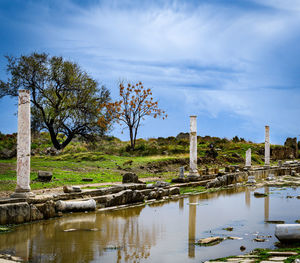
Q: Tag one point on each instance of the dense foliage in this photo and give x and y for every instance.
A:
(65, 99)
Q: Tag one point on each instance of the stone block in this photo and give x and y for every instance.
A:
(153, 195)
(35, 214)
(87, 179)
(130, 178)
(174, 191)
(47, 209)
(44, 176)
(15, 213)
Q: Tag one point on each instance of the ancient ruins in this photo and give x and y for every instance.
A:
(23, 146)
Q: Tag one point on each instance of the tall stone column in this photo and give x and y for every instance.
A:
(267, 146)
(23, 146)
(193, 147)
(248, 158)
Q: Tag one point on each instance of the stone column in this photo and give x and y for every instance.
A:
(193, 147)
(267, 146)
(23, 146)
(248, 158)
(296, 153)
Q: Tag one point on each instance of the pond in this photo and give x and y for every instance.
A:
(161, 232)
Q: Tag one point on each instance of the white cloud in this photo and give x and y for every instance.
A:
(206, 57)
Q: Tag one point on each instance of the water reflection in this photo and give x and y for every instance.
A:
(248, 197)
(83, 238)
(181, 203)
(193, 199)
(161, 232)
(266, 204)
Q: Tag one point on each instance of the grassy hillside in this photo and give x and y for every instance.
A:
(107, 159)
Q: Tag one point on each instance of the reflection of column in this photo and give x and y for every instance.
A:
(193, 146)
(192, 226)
(181, 203)
(22, 249)
(267, 146)
(247, 197)
(267, 203)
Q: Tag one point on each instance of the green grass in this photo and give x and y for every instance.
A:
(71, 168)
(105, 160)
(264, 255)
(196, 189)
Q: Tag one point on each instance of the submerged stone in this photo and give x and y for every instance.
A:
(258, 194)
(210, 241)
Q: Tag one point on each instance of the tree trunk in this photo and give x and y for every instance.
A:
(67, 141)
(132, 142)
(55, 142)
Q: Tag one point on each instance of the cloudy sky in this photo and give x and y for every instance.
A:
(233, 63)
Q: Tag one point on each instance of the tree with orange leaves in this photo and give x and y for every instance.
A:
(134, 105)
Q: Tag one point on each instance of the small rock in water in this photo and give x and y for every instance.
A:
(297, 221)
(210, 241)
(242, 248)
(259, 239)
(70, 230)
(228, 228)
(258, 194)
(275, 221)
(235, 238)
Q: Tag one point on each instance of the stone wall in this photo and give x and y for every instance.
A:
(48, 206)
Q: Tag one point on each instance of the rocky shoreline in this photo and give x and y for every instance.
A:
(45, 206)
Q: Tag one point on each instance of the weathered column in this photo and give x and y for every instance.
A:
(248, 158)
(193, 147)
(296, 150)
(23, 146)
(267, 146)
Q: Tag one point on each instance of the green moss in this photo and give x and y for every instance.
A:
(5, 228)
(196, 189)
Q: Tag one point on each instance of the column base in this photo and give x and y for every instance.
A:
(193, 176)
(20, 194)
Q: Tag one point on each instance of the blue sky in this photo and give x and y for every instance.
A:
(234, 64)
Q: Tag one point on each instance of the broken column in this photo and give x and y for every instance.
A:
(23, 146)
(267, 146)
(193, 147)
(248, 158)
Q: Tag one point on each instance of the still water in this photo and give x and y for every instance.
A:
(163, 232)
